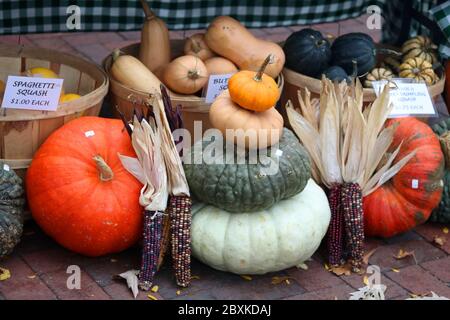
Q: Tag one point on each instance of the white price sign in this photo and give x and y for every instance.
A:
(32, 93)
(408, 98)
(216, 84)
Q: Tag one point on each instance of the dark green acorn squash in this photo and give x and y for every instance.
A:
(351, 47)
(307, 52)
(12, 200)
(244, 187)
(336, 73)
(442, 212)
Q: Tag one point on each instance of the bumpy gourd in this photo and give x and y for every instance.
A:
(12, 200)
(280, 237)
(244, 187)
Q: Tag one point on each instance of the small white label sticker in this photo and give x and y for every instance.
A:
(408, 98)
(32, 93)
(279, 153)
(216, 84)
(89, 133)
(6, 167)
(415, 184)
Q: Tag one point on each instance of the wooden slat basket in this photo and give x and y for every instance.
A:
(23, 131)
(194, 108)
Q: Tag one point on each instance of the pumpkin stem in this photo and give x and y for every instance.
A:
(260, 72)
(148, 12)
(193, 74)
(106, 174)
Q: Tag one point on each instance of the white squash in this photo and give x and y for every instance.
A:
(271, 240)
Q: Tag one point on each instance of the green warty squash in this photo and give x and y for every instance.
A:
(12, 200)
(244, 187)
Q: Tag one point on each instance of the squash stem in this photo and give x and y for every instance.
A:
(106, 174)
(148, 12)
(193, 74)
(116, 54)
(260, 72)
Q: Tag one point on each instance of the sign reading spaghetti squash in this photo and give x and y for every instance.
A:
(32, 93)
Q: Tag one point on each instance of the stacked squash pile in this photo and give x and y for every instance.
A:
(259, 209)
(226, 47)
(356, 55)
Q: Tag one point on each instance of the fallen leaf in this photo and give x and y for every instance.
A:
(366, 280)
(152, 297)
(277, 280)
(287, 282)
(345, 269)
(368, 255)
(155, 289)
(248, 278)
(326, 266)
(433, 296)
(439, 240)
(444, 230)
(132, 280)
(395, 270)
(195, 278)
(32, 276)
(4, 274)
(375, 292)
(402, 254)
(178, 292)
(113, 260)
(302, 266)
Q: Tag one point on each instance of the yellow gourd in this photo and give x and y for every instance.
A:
(69, 97)
(42, 72)
(154, 50)
(132, 73)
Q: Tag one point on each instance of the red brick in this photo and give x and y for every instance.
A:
(339, 292)
(57, 44)
(89, 290)
(20, 286)
(423, 251)
(277, 37)
(393, 290)
(352, 25)
(95, 52)
(51, 260)
(430, 230)
(259, 33)
(103, 269)
(283, 30)
(297, 28)
(44, 35)
(176, 35)
(417, 280)
(327, 28)
(315, 278)
(81, 38)
(131, 35)
(439, 268)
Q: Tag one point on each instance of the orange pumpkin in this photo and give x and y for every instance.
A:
(185, 74)
(254, 91)
(407, 199)
(78, 191)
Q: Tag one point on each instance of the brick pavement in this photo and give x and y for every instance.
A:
(38, 265)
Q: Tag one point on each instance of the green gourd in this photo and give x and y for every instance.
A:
(245, 186)
(12, 200)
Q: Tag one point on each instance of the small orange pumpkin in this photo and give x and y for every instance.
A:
(185, 74)
(254, 91)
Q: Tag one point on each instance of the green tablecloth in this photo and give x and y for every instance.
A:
(33, 16)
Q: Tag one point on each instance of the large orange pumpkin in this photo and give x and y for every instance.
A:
(79, 192)
(408, 198)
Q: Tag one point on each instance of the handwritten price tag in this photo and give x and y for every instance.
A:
(216, 84)
(32, 93)
(408, 98)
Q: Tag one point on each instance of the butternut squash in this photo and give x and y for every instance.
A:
(186, 74)
(230, 39)
(219, 65)
(154, 51)
(196, 46)
(132, 73)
